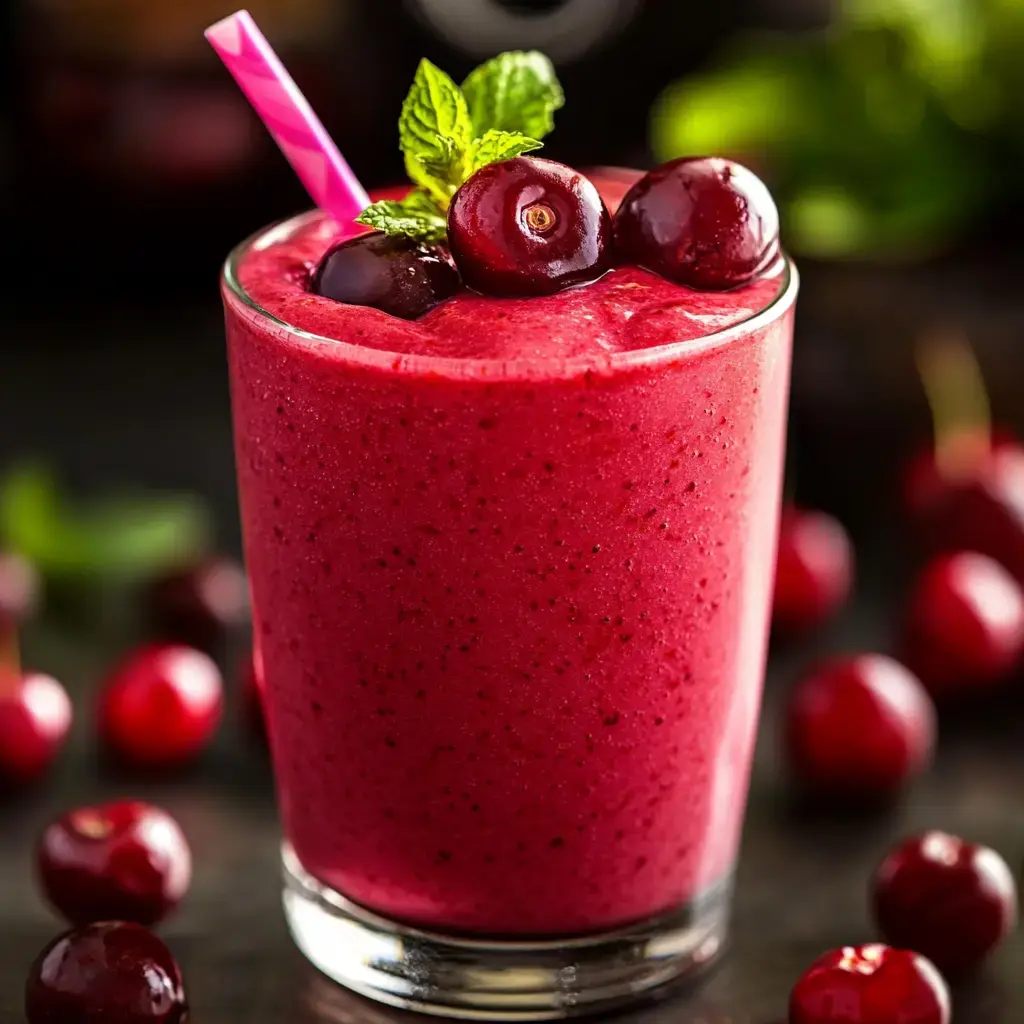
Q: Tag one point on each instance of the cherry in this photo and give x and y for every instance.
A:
(980, 509)
(389, 272)
(113, 972)
(965, 623)
(951, 900)
(700, 221)
(127, 861)
(161, 705)
(529, 227)
(35, 716)
(814, 569)
(19, 589)
(201, 604)
(871, 984)
(859, 728)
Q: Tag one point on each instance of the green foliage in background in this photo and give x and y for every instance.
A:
(884, 136)
(118, 536)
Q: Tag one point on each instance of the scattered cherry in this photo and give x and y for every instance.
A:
(201, 604)
(951, 900)
(871, 984)
(35, 716)
(529, 227)
(965, 623)
(19, 589)
(161, 706)
(126, 861)
(113, 972)
(700, 221)
(859, 728)
(389, 272)
(980, 509)
(814, 570)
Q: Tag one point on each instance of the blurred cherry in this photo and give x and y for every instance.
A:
(965, 623)
(814, 569)
(35, 717)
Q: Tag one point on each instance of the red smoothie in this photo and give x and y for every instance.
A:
(511, 567)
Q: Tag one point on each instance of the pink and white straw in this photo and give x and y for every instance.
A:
(288, 116)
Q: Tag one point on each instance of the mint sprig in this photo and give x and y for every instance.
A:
(446, 133)
(514, 92)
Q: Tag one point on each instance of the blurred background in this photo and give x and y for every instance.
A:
(891, 131)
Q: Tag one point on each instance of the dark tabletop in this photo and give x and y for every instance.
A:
(110, 408)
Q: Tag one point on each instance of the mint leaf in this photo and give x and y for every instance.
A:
(120, 535)
(514, 92)
(498, 145)
(435, 132)
(417, 216)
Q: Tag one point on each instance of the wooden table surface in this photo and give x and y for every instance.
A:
(109, 411)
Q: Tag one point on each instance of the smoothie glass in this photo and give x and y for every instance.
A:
(513, 616)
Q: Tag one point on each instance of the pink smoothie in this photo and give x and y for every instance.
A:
(511, 569)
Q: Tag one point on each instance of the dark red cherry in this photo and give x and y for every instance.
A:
(965, 624)
(858, 728)
(160, 707)
(951, 900)
(125, 861)
(110, 973)
(35, 716)
(201, 604)
(700, 221)
(389, 272)
(529, 227)
(873, 984)
(813, 571)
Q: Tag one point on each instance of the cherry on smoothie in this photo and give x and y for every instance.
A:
(814, 570)
(161, 706)
(951, 900)
(126, 861)
(35, 717)
(388, 272)
(202, 604)
(871, 984)
(19, 589)
(858, 728)
(965, 623)
(704, 222)
(115, 972)
(527, 226)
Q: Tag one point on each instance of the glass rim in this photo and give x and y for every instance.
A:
(493, 369)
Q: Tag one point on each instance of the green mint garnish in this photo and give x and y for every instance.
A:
(417, 215)
(446, 133)
(514, 92)
(497, 145)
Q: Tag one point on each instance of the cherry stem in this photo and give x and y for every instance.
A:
(10, 656)
(955, 388)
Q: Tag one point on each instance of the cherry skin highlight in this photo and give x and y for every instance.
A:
(35, 717)
(858, 728)
(388, 272)
(951, 900)
(704, 222)
(964, 628)
(161, 706)
(814, 569)
(872, 984)
(125, 860)
(113, 972)
(525, 227)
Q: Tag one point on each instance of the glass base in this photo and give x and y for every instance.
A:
(483, 979)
